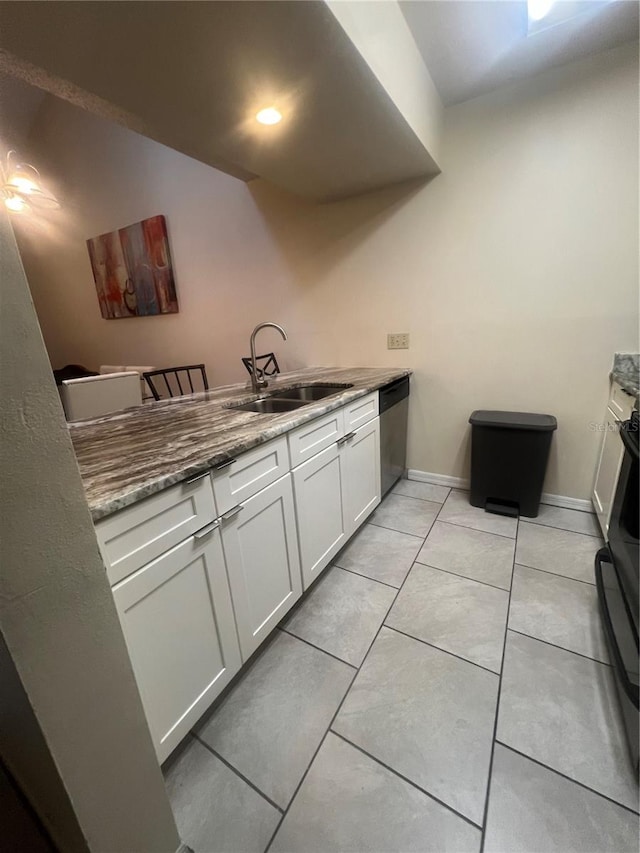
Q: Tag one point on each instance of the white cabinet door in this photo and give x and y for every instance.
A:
(361, 454)
(608, 471)
(318, 487)
(261, 550)
(177, 620)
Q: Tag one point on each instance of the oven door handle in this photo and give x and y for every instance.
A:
(603, 556)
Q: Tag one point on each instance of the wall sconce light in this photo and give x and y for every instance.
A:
(21, 187)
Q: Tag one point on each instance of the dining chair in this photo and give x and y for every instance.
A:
(94, 396)
(267, 364)
(174, 377)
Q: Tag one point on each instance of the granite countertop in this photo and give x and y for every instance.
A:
(626, 372)
(129, 455)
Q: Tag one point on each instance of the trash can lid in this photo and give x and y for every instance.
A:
(513, 420)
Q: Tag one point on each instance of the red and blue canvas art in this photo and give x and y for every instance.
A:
(132, 270)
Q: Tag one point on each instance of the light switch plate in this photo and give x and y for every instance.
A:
(398, 340)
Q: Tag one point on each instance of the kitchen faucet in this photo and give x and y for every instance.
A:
(257, 376)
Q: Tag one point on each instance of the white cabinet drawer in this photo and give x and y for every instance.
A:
(620, 402)
(315, 436)
(249, 473)
(140, 533)
(361, 411)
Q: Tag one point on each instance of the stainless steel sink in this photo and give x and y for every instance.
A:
(310, 393)
(270, 406)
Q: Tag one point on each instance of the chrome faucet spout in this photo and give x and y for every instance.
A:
(257, 376)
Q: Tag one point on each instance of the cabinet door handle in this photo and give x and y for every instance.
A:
(196, 478)
(207, 529)
(345, 439)
(231, 513)
(223, 465)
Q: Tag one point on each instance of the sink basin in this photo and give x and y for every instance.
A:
(309, 393)
(270, 406)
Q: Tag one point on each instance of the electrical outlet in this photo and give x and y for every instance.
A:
(398, 340)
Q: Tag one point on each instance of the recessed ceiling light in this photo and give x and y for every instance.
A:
(269, 115)
(539, 9)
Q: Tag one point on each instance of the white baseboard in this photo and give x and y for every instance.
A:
(461, 483)
(567, 503)
(437, 479)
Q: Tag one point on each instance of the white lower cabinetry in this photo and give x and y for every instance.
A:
(261, 552)
(177, 619)
(319, 486)
(202, 573)
(335, 492)
(362, 475)
(611, 453)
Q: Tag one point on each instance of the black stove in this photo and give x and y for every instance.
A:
(617, 574)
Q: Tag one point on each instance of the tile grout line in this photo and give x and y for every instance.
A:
(237, 772)
(439, 649)
(567, 778)
(414, 498)
(338, 709)
(375, 580)
(404, 532)
(495, 722)
(317, 648)
(564, 529)
(407, 780)
(313, 758)
(464, 577)
(392, 529)
(556, 646)
(477, 529)
(556, 574)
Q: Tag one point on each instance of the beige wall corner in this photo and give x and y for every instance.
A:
(382, 36)
(73, 731)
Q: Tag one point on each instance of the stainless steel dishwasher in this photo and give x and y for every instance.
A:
(394, 410)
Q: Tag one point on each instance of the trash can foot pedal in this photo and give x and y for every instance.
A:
(501, 508)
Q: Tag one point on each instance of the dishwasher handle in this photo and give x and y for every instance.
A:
(393, 393)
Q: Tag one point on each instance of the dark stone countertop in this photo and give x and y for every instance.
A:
(129, 455)
(626, 372)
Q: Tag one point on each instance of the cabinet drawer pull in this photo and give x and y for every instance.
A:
(223, 465)
(345, 439)
(196, 478)
(207, 529)
(231, 513)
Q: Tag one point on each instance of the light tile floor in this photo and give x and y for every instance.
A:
(444, 686)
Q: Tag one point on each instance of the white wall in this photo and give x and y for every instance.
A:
(228, 271)
(515, 271)
(72, 728)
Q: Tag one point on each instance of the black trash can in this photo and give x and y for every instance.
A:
(509, 455)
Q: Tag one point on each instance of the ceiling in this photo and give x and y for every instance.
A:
(19, 105)
(473, 46)
(193, 75)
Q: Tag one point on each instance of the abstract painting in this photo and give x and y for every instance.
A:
(132, 270)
